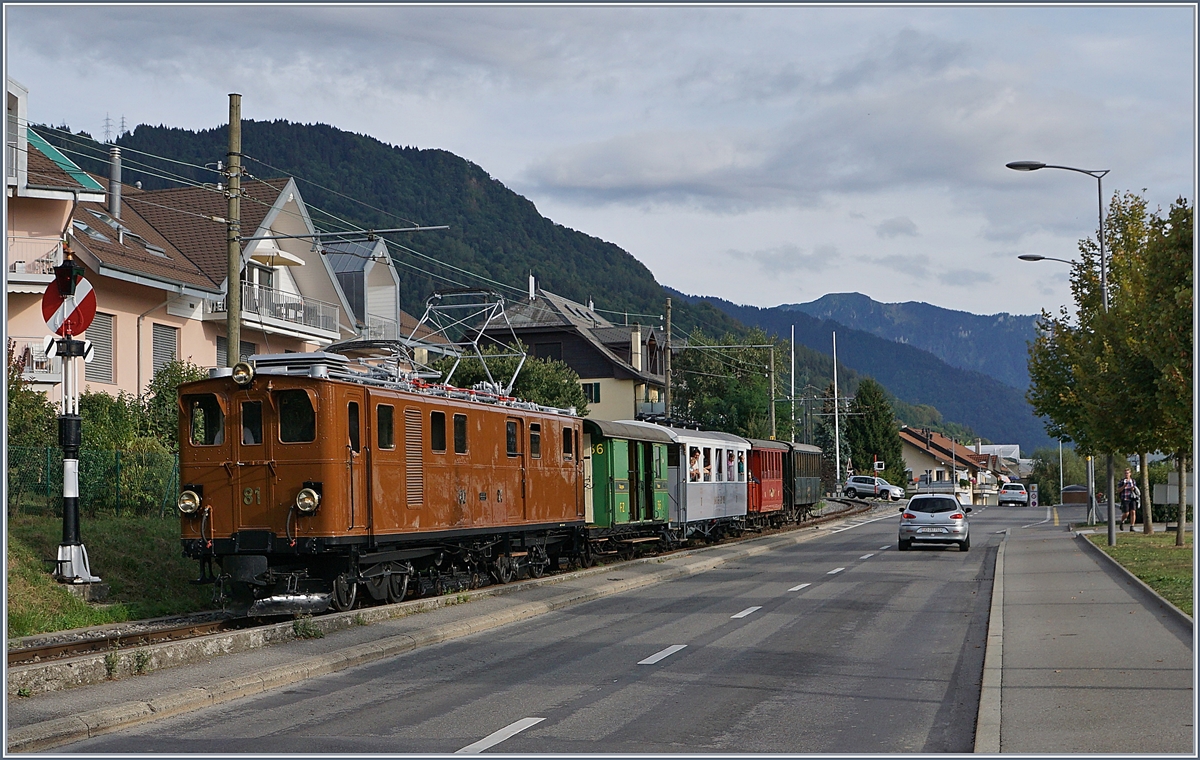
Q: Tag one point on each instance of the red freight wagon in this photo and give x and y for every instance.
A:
(765, 490)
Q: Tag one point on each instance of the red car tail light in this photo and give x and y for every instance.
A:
(957, 516)
(909, 516)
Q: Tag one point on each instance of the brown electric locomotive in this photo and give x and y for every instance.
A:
(307, 476)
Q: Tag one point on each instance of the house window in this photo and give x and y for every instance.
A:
(165, 345)
(386, 426)
(591, 391)
(460, 434)
(437, 431)
(100, 333)
(248, 350)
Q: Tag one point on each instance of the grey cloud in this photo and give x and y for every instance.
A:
(900, 225)
(916, 265)
(904, 54)
(788, 258)
(964, 278)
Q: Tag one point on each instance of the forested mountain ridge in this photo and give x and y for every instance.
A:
(996, 345)
(993, 409)
(348, 179)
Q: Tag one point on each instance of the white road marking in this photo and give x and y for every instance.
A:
(495, 738)
(664, 654)
(744, 613)
(835, 570)
(864, 522)
(867, 556)
(797, 588)
(885, 547)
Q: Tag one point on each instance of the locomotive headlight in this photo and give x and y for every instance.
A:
(189, 502)
(243, 373)
(308, 500)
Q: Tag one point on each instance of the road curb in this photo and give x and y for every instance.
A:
(987, 719)
(1173, 611)
(49, 734)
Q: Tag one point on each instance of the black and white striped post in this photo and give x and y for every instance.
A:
(72, 562)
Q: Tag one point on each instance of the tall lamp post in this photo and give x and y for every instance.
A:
(1098, 175)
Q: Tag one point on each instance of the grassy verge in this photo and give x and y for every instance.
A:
(138, 558)
(1157, 561)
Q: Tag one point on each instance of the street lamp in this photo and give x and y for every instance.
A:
(1098, 174)
(1039, 257)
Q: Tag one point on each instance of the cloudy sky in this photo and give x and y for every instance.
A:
(765, 155)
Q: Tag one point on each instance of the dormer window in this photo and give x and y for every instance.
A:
(124, 232)
(90, 232)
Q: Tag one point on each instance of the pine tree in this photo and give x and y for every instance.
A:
(872, 432)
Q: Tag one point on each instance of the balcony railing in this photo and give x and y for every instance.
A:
(33, 255)
(38, 366)
(381, 328)
(285, 307)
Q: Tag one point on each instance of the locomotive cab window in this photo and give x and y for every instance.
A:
(437, 432)
(510, 438)
(352, 426)
(385, 424)
(206, 419)
(251, 423)
(460, 434)
(568, 449)
(297, 418)
(535, 441)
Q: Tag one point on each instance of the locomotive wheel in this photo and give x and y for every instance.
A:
(397, 587)
(587, 558)
(439, 586)
(476, 579)
(506, 569)
(345, 592)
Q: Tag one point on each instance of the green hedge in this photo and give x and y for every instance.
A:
(140, 481)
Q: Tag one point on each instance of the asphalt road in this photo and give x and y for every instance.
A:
(837, 645)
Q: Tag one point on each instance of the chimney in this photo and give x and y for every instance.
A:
(635, 345)
(978, 445)
(532, 288)
(114, 182)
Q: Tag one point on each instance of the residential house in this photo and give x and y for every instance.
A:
(42, 187)
(157, 261)
(931, 458)
(621, 367)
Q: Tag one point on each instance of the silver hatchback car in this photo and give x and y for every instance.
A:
(934, 519)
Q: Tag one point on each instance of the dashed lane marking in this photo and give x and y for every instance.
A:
(495, 738)
(864, 522)
(835, 570)
(664, 654)
(797, 588)
(885, 547)
(867, 556)
(745, 613)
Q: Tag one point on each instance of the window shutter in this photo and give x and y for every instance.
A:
(414, 476)
(100, 333)
(165, 345)
(248, 350)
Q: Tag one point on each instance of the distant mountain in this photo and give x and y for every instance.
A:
(993, 409)
(996, 345)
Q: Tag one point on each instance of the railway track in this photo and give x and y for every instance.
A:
(145, 634)
(94, 644)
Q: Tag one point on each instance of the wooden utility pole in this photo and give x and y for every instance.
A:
(667, 366)
(771, 409)
(233, 295)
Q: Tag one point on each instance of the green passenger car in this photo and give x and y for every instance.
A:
(625, 477)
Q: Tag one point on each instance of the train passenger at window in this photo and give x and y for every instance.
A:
(720, 466)
(694, 465)
(729, 467)
(707, 464)
(741, 466)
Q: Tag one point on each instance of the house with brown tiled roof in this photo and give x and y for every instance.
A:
(42, 187)
(621, 367)
(933, 460)
(157, 261)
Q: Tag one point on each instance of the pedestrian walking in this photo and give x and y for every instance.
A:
(1129, 494)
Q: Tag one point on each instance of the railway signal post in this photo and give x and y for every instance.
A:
(68, 306)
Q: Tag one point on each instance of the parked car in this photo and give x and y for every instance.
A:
(1014, 493)
(871, 486)
(933, 518)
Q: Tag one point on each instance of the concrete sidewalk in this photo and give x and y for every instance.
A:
(1091, 661)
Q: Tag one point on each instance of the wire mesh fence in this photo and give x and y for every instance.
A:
(118, 482)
